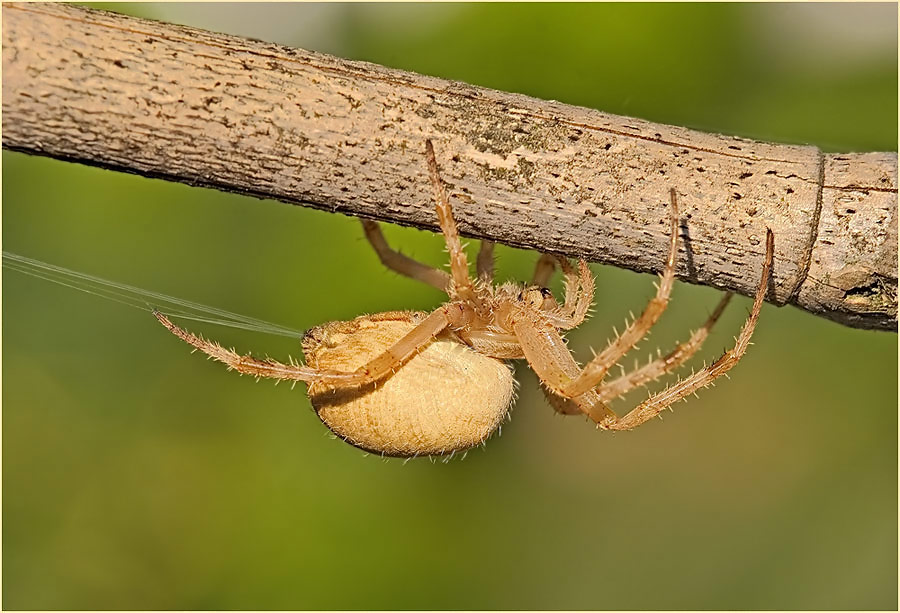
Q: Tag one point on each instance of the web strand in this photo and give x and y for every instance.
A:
(139, 298)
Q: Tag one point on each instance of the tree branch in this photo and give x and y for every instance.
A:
(256, 118)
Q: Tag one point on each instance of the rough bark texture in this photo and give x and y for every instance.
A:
(245, 116)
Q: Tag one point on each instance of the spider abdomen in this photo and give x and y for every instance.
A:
(445, 398)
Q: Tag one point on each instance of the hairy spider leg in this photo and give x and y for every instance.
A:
(451, 314)
(579, 289)
(462, 287)
(683, 387)
(579, 295)
(665, 364)
(401, 263)
(550, 359)
(597, 368)
(461, 282)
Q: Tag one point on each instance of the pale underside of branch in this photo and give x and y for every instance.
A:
(306, 128)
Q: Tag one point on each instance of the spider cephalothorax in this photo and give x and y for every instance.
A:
(409, 383)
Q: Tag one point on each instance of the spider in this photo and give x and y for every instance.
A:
(409, 383)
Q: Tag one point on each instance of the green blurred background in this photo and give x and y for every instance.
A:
(137, 475)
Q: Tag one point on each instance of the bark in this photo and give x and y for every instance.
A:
(246, 116)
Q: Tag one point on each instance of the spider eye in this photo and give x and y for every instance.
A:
(546, 293)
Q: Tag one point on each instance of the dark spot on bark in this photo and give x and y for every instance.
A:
(355, 104)
(745, 175)
(701, 169)
(734, 147)
(850, 211)
(607, 146)
(789, 190)
(736, 196)
(118, 63)
(771, 172)
(526, 168)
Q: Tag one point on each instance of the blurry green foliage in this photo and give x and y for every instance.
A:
(138, 476)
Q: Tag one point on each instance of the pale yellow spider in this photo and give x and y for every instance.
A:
(410, 383)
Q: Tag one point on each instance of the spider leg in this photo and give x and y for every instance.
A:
(655, 404)
(544, 269)
(579, 295)
(550, 359)
(597, 368)
(485, 262)
(666, 364)
(375, 369)
(403, 264)
(461, 287)
(579, 289)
